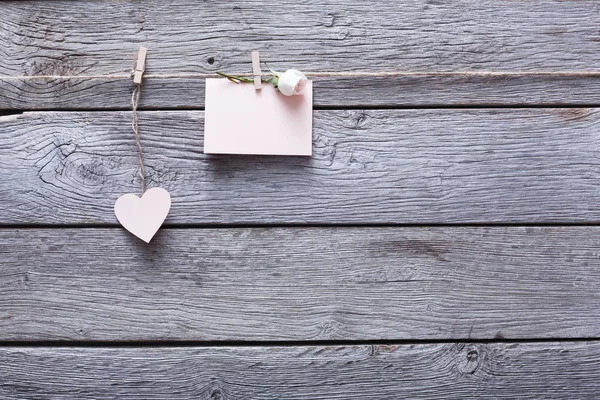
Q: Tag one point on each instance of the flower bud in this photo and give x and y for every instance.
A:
(291, 82)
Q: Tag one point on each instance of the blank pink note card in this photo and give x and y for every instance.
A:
(242, 120)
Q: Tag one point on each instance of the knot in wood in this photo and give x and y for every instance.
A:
(468, 361)
(216, 394)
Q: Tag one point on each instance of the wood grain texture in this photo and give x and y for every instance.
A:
(421, 91)
(44, 38)
(436, 371)
(257, 284)
(368, 166)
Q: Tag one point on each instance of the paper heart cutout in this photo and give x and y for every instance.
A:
(143, 216)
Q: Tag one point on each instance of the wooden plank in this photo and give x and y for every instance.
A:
(274, 284)
(427, 371)
(417, 91)
(43, 38)
(368, 166)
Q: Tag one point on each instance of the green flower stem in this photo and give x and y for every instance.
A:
(273, 80)
(236, 79)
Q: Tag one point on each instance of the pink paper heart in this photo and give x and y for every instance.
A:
(144, 215)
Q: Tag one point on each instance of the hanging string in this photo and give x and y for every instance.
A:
(135, 100)
(340, 74)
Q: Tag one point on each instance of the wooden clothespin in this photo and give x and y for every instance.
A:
(256, 71)
(139, 65)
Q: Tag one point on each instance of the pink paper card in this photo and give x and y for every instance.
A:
(242, 120)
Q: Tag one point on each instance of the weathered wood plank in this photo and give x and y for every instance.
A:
(44, 38)
(300, 284)
(373, 166)
(418, 91)
(433, 371)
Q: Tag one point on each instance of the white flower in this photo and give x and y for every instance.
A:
(291, 82)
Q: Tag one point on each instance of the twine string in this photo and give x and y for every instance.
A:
(135, 100)
(340, 74)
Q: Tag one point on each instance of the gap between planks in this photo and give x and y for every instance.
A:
(181, 226)
(366, 107)
(275, 343)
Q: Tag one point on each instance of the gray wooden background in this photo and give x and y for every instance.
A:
(442, 242)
